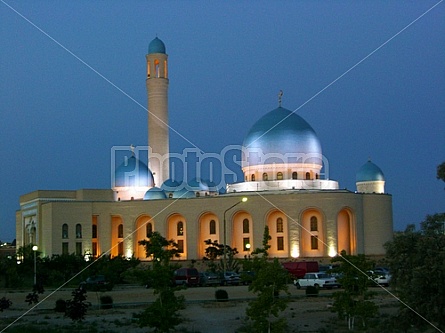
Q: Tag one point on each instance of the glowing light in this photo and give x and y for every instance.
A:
(244, 199)
(332, 251)
(35, 248)
(295, 252)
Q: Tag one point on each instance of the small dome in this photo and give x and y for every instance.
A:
(170, 185)
(154, 193)
(283, 133)
(156, 46)
(183, 193)
(369, 172)
(197, 185)
(133, 173)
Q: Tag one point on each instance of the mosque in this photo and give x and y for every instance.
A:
(284, 188)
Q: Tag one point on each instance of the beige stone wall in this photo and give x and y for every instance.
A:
(370, 222)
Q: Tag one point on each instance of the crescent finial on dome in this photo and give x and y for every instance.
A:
(280, 95)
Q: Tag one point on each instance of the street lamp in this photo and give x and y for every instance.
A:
(35, 248)
(225, 242)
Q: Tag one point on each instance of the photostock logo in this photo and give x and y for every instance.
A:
(195, 170)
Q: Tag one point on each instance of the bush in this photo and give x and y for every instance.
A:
(311, 291)
(5, 303)
(60, 305)
(106, 302)
(221, 295)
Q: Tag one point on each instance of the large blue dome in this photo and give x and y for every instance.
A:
(282, 132)
(156, 46)
(369, 172)
(133, 173)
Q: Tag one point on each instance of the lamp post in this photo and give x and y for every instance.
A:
(35, 248)
(225, 240)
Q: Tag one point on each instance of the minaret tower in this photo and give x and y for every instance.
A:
(157, 91)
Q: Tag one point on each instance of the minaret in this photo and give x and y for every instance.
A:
(157, 91)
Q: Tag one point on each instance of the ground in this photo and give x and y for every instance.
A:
(203, 314)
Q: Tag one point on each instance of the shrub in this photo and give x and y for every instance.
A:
(106, 302)
(311, 291)
(221, 295)
(60, 305)
(5, 303)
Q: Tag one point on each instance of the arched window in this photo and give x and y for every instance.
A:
(94, 231)
(294, 175)
(65, 230)
(156, 68)
(252, 177)
(279, 176)
(180, 228)
(78, 231)
(308, 176)
(120, 231)
(265, 176)
(148, 70)
(170, 195)
(212, 226)
(245, 226)
(314, 224)
(317, 176)
(148, 229)
(279, 224)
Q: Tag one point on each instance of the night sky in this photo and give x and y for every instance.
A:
(369, 76)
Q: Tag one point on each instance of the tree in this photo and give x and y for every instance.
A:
(416, 260)
(354, 301)
(441, 171)
(269, 281)
(215, 251)
(163, 315)
(76, 308)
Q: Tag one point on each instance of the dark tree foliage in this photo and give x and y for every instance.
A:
(417, 263)
(354, 300)
(215, 251)
(163, 315)
(269, 283)
(33, 298)
(441, 171)
(76, 308)
(5, 303)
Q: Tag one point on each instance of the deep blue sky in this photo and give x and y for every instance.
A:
(227, 62)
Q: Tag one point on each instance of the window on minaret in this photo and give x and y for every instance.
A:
(65, 230)
(94, 231)
(265, 176)
(120, 248)
(148, 69)
(149, 229)
(157, 68)
(120, 231)
(279, 224)
(180, 229)
(280, 176)
(78, 231)
(294, 175)
(314, 224)
(245, 226)
(165, 69)
(212, 227)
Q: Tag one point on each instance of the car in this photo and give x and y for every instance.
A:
(186, 276)
(317, 280)
(380, 275)
(209, 279)
(96, 283)
(230, 278)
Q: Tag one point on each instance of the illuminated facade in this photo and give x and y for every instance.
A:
(308, 216)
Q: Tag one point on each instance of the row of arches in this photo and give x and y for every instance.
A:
(311, 236)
